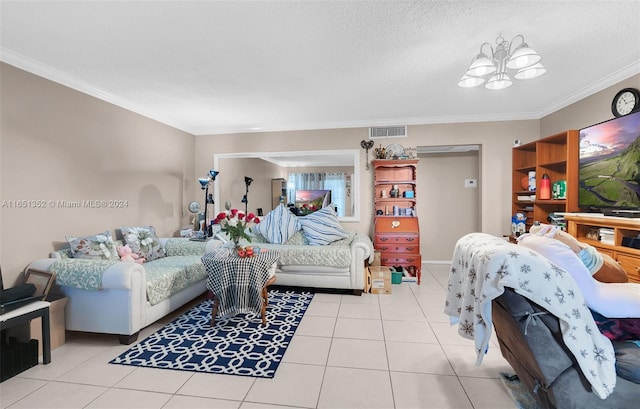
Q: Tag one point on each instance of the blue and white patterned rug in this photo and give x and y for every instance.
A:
(236, 346)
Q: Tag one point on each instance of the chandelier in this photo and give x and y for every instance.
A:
(496, 64)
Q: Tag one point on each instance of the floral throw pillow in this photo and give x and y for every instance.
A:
(97, 247)
(143, 241)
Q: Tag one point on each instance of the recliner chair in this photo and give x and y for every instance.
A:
(531, 341)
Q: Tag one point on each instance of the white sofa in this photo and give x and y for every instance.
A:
(121, 305)
(339, 265)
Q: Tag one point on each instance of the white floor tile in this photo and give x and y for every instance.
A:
(359, 329)
(218, 386)
(463, 360)
(308, 350)
(17, 388)
(360, 311)
(194, 402)
(63, 359)
(155, 380)
(402, 312)
(323, 309)
(421, 358)
(365, 298)
(327, 297)
(447, 334)
(487, 393)
(411, 390)
(98, 371)
(60, 395)
(316, 326)
(389, 351)
(435, 314)
(126, 398)
(294, 385)
(355, 388)
(256, 405)
(407, 331)
(357, 353)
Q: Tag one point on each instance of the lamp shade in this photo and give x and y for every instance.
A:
(481, 65)
(203, 182)
(469, 82)
(523, 57)
(499, 81)
(530, 72)
(213, 174)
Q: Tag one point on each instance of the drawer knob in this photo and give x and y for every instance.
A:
(410, 238)
(384, 238)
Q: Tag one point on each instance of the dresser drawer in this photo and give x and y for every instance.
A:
(400, 259)
(390, 239)
(398, 248)
(631, 265)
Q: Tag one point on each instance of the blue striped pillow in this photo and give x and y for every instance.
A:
(278, 225)
(322, 227)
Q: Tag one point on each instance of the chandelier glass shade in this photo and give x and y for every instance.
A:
(492, 68)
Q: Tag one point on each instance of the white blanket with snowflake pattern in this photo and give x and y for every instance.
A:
(483, 265)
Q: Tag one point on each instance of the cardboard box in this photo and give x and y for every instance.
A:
(380, 277)
(376, 258)
(56, 324)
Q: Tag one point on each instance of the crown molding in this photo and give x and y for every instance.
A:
(55, 75)
(60, 77)
(610, 80)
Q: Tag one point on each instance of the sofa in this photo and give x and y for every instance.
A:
(315, 250)
(115, 297)
(338, 265)
(532, 296)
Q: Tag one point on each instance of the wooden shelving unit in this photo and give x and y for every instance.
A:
(579, 226)
(397, 236)
(555, 155)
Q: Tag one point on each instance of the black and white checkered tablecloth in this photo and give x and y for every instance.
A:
(237, 281)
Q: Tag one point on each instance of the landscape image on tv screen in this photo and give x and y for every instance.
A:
(609, 171)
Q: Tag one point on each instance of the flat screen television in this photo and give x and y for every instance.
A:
(609, 165)
(317, 198)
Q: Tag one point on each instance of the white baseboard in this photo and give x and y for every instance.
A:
(437, 262)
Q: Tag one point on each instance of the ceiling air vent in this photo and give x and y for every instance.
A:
(387, 132)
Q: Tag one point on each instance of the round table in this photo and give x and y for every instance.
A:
(239, 284)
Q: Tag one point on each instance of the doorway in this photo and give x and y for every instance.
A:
(449, 188)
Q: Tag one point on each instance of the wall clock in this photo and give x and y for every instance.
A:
(626, 101)
(194, 207)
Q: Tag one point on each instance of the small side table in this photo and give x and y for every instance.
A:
(24, 315)
(239, 284)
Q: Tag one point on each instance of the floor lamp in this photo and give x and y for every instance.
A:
(208, 198)
(245, 198)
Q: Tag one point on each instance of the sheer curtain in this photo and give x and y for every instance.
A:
(334, 181)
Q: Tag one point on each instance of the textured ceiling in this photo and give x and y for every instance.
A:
(211, 67)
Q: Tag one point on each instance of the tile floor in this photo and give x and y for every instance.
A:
(373, 351)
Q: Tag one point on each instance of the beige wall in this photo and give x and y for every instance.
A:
(232, 186)
(443, 221)
(62, 145)
(588, 111)
(496, 139)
